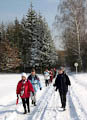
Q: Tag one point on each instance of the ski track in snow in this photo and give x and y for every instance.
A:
(79, 103)
(80, 83)
(41, 105)
(74, 115)
(76, 99)
(36, 111)
(48, 106)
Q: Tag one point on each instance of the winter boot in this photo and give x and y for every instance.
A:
(34, 103)
(61, 107)
(64, 109)
(25, 111)
(28, 110)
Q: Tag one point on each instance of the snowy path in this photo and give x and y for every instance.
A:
(48, 104)
(80, 81)
(79, 97)
(48, 107)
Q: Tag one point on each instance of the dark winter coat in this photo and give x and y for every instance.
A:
(62, 81)
(24, 88)
(51, 76)
(35, 81)
(55, 72)
(35, 78)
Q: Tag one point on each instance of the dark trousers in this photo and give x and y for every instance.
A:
(33, 97)
(63, 98)
(46, 82)
(25, 101)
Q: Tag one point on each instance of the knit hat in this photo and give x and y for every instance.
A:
(60, 68)
(33, 70)
(24, 75)
(63, 68)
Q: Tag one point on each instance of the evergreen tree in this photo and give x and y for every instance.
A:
(23, 43)
(10, 33)
(33, 40)
(48, 52)
(17, 33)
(2, 32)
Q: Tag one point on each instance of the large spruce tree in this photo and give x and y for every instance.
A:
(38, 46)
(32, 38)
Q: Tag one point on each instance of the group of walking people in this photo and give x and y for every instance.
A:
(28, 86)
(49, 75)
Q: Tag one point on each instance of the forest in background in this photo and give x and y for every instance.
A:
(27, 44)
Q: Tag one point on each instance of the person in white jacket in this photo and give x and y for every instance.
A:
(46, 77)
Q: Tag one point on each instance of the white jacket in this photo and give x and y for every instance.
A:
(46, 75)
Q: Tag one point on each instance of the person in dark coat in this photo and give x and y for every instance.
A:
(61, 83)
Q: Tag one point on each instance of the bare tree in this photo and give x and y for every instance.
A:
(71, 15)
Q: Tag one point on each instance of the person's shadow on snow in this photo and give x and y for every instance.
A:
(60, 110)
(18, 112)
(6, 111)
(4, 106)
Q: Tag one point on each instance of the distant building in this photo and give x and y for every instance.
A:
(61, 57)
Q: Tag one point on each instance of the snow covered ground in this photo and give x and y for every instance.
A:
(48, 101)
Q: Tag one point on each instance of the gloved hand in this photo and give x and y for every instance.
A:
(53, 85)
(40, 88)
(33, 93)
(17, 96)
(17, 100)
(56, 89)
